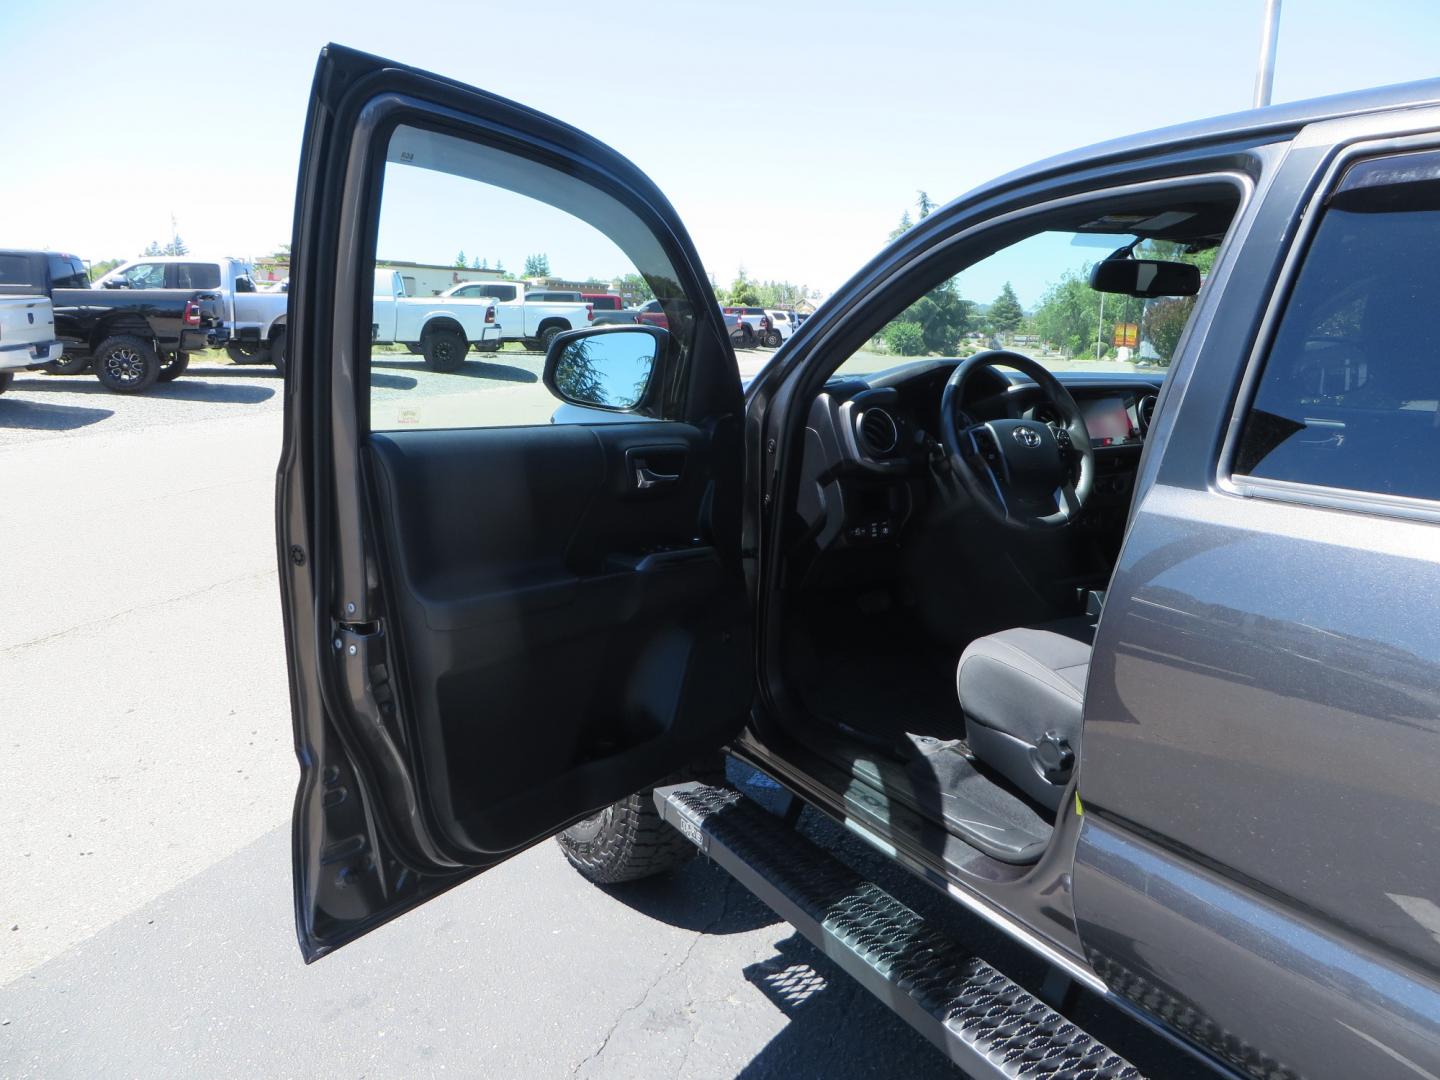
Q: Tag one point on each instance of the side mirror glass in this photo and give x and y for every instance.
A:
(1145, 278)
(608, 367)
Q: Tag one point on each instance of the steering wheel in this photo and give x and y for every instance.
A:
(1025, 473)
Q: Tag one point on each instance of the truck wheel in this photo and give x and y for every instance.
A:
(6, 378)
(173, 367)
(280, 350)
(414, 349)
(69, 364)
(247, 352)
(444, 349)
(549, 334)
(126, 364)
(624, 842)
(772, 339)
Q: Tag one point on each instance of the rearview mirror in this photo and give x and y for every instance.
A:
(1145, 278)
(606, 367)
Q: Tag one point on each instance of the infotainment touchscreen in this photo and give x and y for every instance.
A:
(1108, 421)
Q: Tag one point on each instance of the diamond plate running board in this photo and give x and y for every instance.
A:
(987, 1024)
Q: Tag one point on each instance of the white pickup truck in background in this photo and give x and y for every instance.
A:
(27, 335)
(441, 328)
(255, 320)
(529, 321)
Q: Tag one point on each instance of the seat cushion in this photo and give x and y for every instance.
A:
(1017, 685)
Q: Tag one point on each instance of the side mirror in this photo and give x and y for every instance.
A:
(1145, 278)
(606, 367)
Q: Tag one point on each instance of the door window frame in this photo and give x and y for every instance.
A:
(375, 124)
(1298, 492)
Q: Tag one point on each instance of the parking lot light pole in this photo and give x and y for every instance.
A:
(1269, 38)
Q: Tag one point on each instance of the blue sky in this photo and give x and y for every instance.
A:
(789, 136)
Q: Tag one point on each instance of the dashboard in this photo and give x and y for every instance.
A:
(870, 438)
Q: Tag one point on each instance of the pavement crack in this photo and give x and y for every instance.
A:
(148, 606)
(672, 969)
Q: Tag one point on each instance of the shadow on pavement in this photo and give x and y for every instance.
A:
(182, 389)
(471, 369)
(42, 416)
(394, 382)
(680, 899)
(835, 1028)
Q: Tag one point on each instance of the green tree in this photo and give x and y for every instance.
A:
(904, 338)
(924, 204)
(1068, 314)
(474, 262)
(1164, 323)
(943, 317)
(460, 260)
(537, 265)
(176, 246)
(905, 226)
(153, 248)
(1006, 313)
(104, 266)
(743, 292)
(636, 287)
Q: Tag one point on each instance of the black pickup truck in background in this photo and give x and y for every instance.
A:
(130, 340)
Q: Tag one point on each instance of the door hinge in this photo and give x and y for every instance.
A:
(364, 672)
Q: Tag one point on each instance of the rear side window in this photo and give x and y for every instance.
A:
(197, 276)
(499, 292)
(15, 270)
(1349, 396)
(68, 273)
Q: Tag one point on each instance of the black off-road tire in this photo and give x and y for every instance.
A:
(173, 367)
(624, 842)
(414, 349)
(126, 364)
(69, 364)
(6, 378)
(444, 349)
(280, 349)
(247, 352)
(549, 334)
(772, 339)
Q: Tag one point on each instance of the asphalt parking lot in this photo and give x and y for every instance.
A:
(145, 800)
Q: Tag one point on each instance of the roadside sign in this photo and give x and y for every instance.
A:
(1127, 335)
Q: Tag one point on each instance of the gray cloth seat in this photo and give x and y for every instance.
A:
(1023, 693)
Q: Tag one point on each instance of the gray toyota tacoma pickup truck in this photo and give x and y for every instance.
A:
(1136, 661)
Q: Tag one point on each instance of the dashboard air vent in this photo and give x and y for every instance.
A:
(1144, 410)
(878, 432)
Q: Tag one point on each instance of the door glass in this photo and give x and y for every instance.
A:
(466, 359)
(1350, 393)
(144, 276)
(199, 275)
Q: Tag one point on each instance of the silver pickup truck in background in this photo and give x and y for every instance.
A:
(255, 320)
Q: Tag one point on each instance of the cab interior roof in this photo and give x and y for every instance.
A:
(1199, 223)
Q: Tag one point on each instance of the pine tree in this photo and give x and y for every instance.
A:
(1006, 313)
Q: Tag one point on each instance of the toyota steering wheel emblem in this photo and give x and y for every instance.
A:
(1027, 436)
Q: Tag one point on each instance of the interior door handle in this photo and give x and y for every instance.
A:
(647, 478)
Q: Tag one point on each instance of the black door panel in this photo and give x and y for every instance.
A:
(548, 633)
(491, 630)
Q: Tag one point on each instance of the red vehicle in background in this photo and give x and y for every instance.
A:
(603, 301)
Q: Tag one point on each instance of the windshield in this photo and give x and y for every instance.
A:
(1034, 297)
